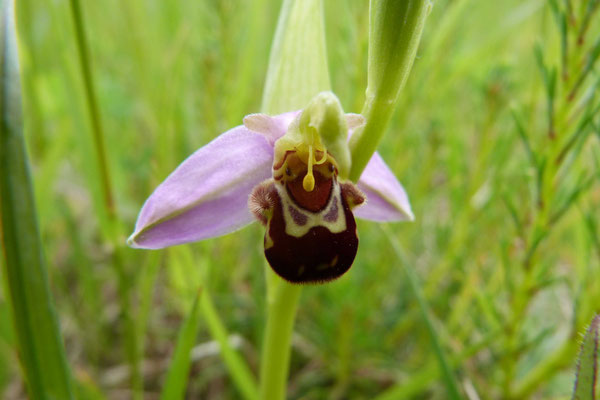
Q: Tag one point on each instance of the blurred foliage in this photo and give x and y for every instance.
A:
(507, 286)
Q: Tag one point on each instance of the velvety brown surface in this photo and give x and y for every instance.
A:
(318, 256)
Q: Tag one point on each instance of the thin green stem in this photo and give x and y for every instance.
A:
(377, 114)
(92, 104)
(282, 302)
(394, 35)
(131, 343)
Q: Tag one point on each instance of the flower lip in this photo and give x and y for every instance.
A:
(305, 246)
(314, 200)
(310, 232)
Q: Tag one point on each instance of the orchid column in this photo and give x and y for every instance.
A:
(297, 72)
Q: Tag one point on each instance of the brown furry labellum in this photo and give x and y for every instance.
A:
(311, 232)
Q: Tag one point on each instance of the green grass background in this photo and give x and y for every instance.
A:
(171, 75)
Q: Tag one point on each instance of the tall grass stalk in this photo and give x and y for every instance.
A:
(26, 278)
(93, 108)
(176, 379)
(182, 261)
(132, 344)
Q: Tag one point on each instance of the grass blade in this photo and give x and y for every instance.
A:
(176, 380)
(110, 221)
(447, 374)
(94, 110)
(39, 342)
(240, 373)
(182, 259)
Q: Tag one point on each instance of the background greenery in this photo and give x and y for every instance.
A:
(507, 292)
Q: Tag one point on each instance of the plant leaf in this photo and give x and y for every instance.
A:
(36, 326)
(175, 383)
(298, 61)
(586, 379)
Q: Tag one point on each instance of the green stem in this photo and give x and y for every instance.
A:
(365, 142)
(90, 93)
(124, 282)
(282, 302)
(395, 29)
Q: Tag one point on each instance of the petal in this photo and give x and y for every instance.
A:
(207, 195)
(272, 128)
(354, 121)
(386, 199)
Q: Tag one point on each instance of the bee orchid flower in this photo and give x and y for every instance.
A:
(289, 172)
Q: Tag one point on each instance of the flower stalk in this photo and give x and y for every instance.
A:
(282, 304)
(395, 29)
